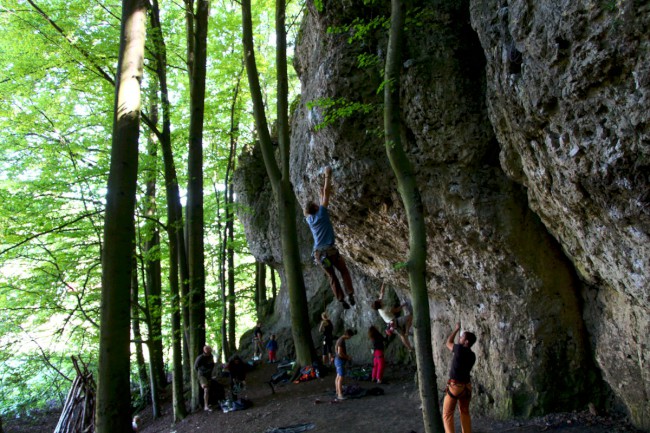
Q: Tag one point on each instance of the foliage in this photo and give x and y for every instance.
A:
(337, 109)
(360, 28)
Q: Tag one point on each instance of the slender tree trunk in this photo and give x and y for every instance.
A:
(113, 412)
(222, 278)
(274, 286)
(230, 252)
(260, 286)
(410, 194)
(178, 256)
(143, 378)
(223, 232)
(178, 401)
(301, 329)
(226, 252)
(195, 245)
(280, 178)
(152, 256)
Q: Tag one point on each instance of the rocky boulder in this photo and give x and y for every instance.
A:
(526, 123)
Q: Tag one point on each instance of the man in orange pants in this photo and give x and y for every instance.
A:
(459, 388)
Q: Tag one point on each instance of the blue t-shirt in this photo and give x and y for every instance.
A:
(321, 228)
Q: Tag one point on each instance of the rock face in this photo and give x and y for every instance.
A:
(527, 125)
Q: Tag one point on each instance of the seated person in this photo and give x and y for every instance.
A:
(237, 369)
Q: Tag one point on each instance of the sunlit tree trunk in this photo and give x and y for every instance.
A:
(410, 193)
(195, 244)
(280, 177)
(113, 411)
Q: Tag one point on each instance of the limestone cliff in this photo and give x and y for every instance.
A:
(527, 123)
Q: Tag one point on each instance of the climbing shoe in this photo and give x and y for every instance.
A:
(345, 305)
(351, 299)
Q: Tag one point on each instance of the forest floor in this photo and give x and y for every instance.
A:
(313, 402)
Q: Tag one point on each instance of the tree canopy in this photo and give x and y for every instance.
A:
(57, 75)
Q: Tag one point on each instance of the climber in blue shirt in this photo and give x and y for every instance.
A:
(325, 252)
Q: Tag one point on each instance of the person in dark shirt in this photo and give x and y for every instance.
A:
(237, 369)
(257, 340)
(326, 328)
(204, 365)
(325, 252)
(459, 388)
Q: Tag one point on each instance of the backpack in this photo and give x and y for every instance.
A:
(308, 372)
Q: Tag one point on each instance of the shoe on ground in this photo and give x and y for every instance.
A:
(345, 305)
(341, 398)
(351, 299)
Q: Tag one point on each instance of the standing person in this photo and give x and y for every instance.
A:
(325, 252)
(326, 328)
(272, 347)
(257, 340)
(204, 364)
(459, 388)
(378, 361)
(341, 358)
(396, 317)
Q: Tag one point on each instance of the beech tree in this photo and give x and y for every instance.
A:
(56, 85)
(178, 266)
(279, 177)
(197, 36)
(113, 410)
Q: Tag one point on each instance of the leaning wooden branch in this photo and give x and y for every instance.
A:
(79, 407)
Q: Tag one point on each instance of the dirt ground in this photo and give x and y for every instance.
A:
(313, 402)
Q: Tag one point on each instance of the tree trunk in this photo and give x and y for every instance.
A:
(274, 286)
(180, 411)
(195, 245)
(410, 194)
(143, 378)
(280, 180)
(260, 286)
(151, 249)
(177, 255)
(225, 345)
(230, 253)
(113, 413)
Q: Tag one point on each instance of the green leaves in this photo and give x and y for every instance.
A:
(337, 109)
(57, 64)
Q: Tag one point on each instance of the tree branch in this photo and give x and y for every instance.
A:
(54, 229)
(45, 357)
